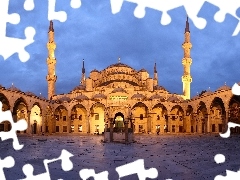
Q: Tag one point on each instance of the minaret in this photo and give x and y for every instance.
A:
(155, 78)
(51, 62)
(186, 61)
(83, 78)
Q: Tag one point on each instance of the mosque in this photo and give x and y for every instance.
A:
(120, 97)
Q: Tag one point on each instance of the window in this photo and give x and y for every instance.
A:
(97, 129)
(96, 116)
(79, 128)
(72, 116)
(173, 118)
(141, 116)
(64, 118)
(57, 128)
(57, 117)
(64, 128)
(80, 117)
(173, 128)
(180, 117)
(158, 117)
(72, 128)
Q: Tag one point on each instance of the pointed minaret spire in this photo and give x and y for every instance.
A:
(51, 62)
(186, 62)
(155, 78)
(187, 26)
(155, 67)
(51, 26)
(83, 78)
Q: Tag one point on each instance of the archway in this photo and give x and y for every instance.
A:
(217, 115)
(202, 123)
(5, 125)
(175, 122)
(118, 122)
(61, 122)
(79, 121)
(159, 118)
(234, 113)
(20, 111)
(36, 120)
(97, 123)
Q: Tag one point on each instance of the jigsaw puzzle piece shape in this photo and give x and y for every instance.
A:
(227, 133)
(18, 126)
(66, 164)
(87, 173)
(229, 175)
(5, 18)
(29, 5)
(7, 162)
(137, 167)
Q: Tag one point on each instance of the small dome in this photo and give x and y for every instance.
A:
(159, 88)
(224, 88)
(209, 92)
(99, 96)
(42, 97)
(79, 87)
(95, 70)
(30, 93)
(13, 88)
(119, 90)
(118, 65)
(82, 97)
(138, 96)
(173, 99)
(157, 96)
(64, 99)
(142, 70)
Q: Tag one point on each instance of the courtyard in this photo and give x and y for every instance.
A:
(175, 156)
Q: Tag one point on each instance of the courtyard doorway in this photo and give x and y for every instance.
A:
(35, 127)
(119, 120)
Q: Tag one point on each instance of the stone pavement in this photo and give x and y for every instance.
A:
(175, 157)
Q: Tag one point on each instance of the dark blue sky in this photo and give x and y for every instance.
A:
(93, 33)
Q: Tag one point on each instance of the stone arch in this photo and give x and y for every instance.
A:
(175, 120)
(79, 119)
(217, 115)
(5, 102)
(61, 120)
(234, 112)
(202, 122)
(35, 119)
(96, 119)
(118, 120)
(20, 111)
(5, 125)
(140, 113)
(159, 118)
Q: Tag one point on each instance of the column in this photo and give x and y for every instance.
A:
(111, 129)
(126, 131)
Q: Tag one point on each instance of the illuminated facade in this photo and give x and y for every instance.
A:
(122, 97)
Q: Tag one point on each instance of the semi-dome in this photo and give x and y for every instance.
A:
(13, 88)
